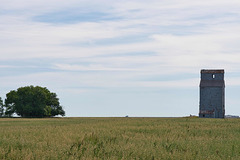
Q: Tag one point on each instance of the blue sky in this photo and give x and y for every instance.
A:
(107, 58)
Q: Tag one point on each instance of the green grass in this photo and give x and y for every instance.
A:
(119, 138)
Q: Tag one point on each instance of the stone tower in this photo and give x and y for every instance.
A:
(212, 94)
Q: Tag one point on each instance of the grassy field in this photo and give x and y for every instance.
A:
(119, 138)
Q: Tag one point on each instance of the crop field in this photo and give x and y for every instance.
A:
(119, 138)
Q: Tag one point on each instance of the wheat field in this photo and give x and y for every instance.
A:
(119, 138)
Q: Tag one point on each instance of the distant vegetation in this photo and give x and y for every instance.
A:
(31, 102)
(120, 138)
(1, 107)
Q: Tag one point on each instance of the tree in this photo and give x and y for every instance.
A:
(1, 107)
(33, 101)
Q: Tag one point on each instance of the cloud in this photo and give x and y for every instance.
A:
(143, 38)
(7, 66)
(68, 67)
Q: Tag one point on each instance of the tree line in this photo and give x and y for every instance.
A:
(31, 102)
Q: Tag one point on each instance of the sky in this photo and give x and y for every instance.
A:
(108, 58)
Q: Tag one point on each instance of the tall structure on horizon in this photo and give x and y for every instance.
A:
(212, 94)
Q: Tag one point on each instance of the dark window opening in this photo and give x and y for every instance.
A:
(203, 115)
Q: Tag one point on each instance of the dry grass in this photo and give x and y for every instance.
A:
(119, 138)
